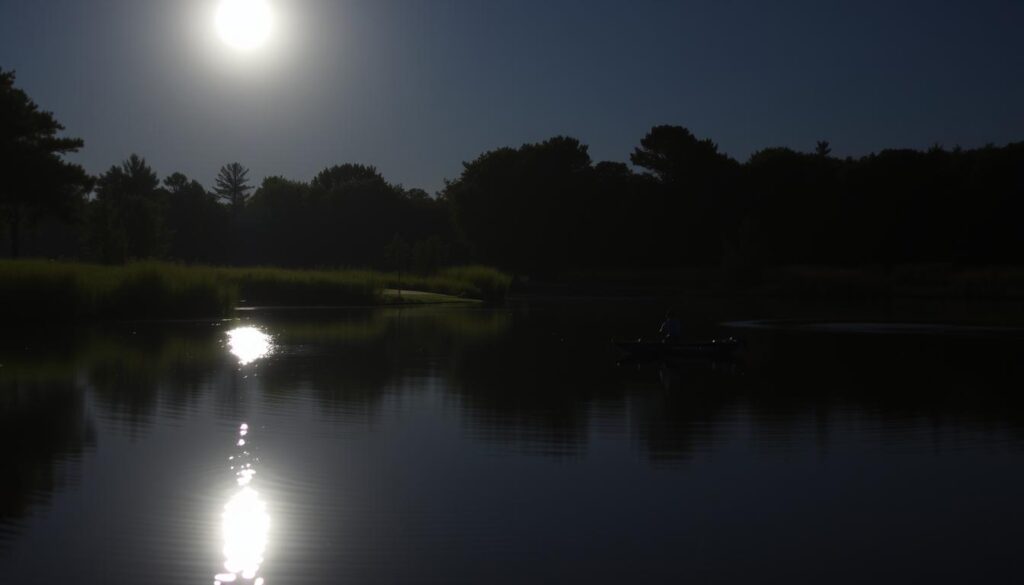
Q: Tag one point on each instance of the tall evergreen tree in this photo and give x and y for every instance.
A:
(34, 179)
(232, 185)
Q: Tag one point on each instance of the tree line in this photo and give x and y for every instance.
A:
(348, 215)
(547, 206)
(544, 208)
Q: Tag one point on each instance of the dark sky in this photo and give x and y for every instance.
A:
(417, 87)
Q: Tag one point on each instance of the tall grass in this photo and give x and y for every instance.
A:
(37, 290)
(54, 291)
(277, 286)
(489, 283)
(474, 282)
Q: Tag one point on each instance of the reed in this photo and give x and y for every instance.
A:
(64, 291)
(53, 291)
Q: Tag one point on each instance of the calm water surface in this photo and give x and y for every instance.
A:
(507, 445)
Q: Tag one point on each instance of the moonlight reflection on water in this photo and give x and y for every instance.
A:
(245, 523)
(249, 344)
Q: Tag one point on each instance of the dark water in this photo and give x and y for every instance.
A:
(479, 445)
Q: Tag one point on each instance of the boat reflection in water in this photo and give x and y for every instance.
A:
(249, 344)
(245, 522)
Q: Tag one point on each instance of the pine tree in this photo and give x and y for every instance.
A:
(232, 186)
(34, 179)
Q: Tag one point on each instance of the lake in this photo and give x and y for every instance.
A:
(472, 444)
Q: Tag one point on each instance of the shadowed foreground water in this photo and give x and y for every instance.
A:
(479, 445)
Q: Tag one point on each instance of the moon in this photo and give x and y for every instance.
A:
(244, 24)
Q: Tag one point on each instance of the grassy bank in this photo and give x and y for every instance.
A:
(277, 286)
(474, 282)
(53, 291)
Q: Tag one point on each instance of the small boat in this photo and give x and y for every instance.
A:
(715, 349)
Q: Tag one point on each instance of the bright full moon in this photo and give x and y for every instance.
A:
(245, 24)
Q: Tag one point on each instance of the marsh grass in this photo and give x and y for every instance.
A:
(489, 284)
(51, 291)
(33, 290)
(266, 286)
(473, 282)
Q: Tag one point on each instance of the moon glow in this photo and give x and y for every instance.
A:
(244, 24)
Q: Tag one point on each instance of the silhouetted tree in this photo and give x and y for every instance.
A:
(127, 213)
(697, 191)
(357, 213)
(417, 195)
(543, 208)
(196, 223)
(623, 216)
(791, 206)
(34, 180)
(232, 186)
(278, 225)
(675, 155)
(348, 176)
(521, 208)
(350, 211)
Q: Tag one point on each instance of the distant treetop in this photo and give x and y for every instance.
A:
(232, 185)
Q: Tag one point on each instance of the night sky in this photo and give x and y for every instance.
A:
(417, 87)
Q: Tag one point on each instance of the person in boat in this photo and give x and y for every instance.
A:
(671, 329)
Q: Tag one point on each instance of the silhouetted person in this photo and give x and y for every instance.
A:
(671, 329)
